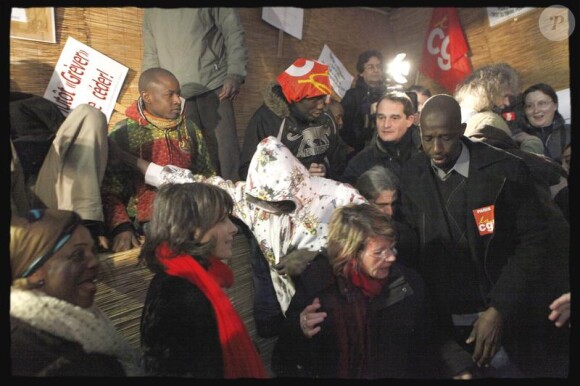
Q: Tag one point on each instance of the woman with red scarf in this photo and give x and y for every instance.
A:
(189, 327)
(356, 312)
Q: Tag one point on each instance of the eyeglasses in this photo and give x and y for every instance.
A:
(378, 67)
(539, 105)
(384, 253)
(35, 215)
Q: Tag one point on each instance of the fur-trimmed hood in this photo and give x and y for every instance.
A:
(274, 99)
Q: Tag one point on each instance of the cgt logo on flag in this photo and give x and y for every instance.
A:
(445, 50)
(485, 219)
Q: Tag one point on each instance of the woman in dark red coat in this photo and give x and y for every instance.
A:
(356, 312)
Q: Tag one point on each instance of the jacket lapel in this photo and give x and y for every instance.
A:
(426, 198)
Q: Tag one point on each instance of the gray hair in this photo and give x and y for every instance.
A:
(375, 180)
(485, 85)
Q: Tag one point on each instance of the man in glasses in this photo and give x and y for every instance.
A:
(358, 127)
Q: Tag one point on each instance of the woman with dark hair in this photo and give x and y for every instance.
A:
(356, 312)
(380, 186)
(542, 119)
(189, 327)
(55, 329)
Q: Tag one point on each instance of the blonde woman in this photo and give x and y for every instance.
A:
(356, 313)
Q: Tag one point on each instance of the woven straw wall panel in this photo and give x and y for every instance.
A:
(116, 32)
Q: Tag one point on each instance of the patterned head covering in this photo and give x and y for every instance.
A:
(37, 236)
(292, 182)
(305, 78)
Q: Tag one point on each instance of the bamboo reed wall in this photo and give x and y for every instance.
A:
(116, 32)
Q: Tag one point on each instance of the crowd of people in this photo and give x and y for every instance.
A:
(394, 233)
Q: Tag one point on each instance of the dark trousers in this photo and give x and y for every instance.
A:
(216, 120)
(268, 315)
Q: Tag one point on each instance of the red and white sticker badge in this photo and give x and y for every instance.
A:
(484, 219)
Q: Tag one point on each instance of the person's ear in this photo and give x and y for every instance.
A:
(146, 97)
(36, 280)
(200, 237)
(463, 126)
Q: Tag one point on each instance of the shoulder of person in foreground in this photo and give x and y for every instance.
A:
(35, 352)
(499, 162)
(343, 192)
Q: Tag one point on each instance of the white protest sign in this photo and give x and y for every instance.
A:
(340, 78)
(498, 15)
(564, 105)
(288, 19)
(84, 75)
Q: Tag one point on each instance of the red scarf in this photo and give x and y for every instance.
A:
(241, 359)
(352, 329)
(369, 286)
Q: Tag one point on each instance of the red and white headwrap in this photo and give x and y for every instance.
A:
(305, 78)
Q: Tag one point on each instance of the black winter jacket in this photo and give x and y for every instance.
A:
(359, 127)
(395, 330)
(507, 261)
(316, 141)
(37, 353)
(179, 333)
(390, 155)
(34, 122)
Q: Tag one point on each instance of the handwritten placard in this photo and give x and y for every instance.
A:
(84, 75)
(340, 78)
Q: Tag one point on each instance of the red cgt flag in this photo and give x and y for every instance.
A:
(445, 50)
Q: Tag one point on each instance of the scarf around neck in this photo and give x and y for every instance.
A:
(144, 118)
(89, 327)
(241, 359)
(369, 286)
(353, 340)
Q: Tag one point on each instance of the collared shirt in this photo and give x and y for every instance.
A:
(461, 165)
